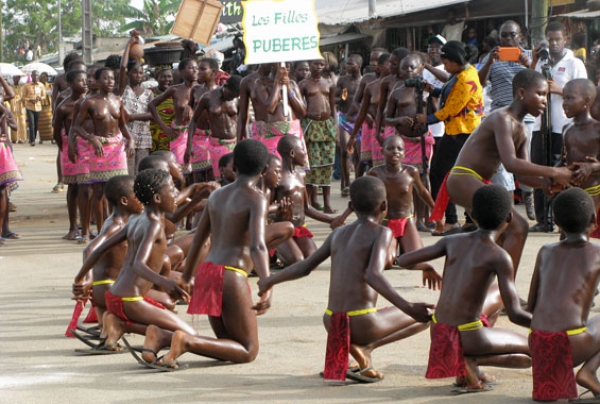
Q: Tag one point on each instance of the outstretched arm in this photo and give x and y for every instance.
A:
(506, 284)
(298, 270)
(410, 259)
(374, 277)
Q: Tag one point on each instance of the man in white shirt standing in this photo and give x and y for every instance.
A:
(454, 28)
(563, 67)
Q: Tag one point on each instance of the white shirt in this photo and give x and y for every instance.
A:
(437, 130)
(453, 32)
(565, 70)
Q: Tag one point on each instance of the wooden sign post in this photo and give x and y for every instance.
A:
(197, 20)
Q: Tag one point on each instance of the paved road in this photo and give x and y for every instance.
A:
(39, 365)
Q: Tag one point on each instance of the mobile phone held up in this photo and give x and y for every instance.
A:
(509, 53)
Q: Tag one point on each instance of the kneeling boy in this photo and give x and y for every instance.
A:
(359, 253)
(562, 290)
(459, 340)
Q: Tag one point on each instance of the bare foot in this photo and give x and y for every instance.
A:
(329, 210)
(588, 380)
(362, 355)
(114, 328)
(156, 339)
(179, 346)
(72, 235)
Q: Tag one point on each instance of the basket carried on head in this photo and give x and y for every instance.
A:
(164, 53)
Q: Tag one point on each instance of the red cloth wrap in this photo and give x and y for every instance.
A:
(446, 355)
(338, 347)
(552, 361)
(302, 231)
(441, 202)
(397, 226)
(207, 297)
(114, 305)
(79, 306)
(91, 317)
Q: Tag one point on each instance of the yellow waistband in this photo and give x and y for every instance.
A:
(239, 271)
(472, 326)
(103, 282)
(407, 217)
(132, 299)
(574, 331)
(354, 313)
(593, 191)
(468, 170)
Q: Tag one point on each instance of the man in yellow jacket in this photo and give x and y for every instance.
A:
(32, 101)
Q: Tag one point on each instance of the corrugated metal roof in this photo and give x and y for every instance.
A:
(582, 14)
(334, 12)
(342, 38)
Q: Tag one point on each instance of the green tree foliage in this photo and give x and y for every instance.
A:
(35, 22)
(156, 18)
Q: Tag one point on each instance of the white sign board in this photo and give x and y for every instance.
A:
(280, 31)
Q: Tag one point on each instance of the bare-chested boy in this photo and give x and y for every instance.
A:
(359, 254)
(562, 291)
(345, 91)
(235, 216)
(582, 139)
(291, 186)
(403, 104)
(400, 180)
(121, 198)
(502, 138)
(365, 120)
(319, 126)
(129, 307)
(61, 124)
(459, 341)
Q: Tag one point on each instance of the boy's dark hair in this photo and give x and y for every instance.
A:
(148, 183)
(491, 206)
(357, 58)
(384, 57)
(183, 64)
(250, 157)
(70, 57)
(153, 162)
(233, 83)
(225, 160)
(77, 62)
(525, 79)
(573, 209)
(556, 26)
(272, 158)
(401, 53)
(211, 62)
(72, 75)
(286, 144)
(366, 193)
(100, 70)
(118, 187)
(113, 62)
(389, 139)
(585, 87)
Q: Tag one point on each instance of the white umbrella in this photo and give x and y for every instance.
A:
(40, 67)
(10, 70)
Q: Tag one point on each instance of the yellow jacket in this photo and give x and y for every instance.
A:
(30, 92)
(462, 108)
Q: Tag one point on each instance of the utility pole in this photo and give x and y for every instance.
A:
(60, 47)
(1, 33)
(539, 20)
(86, 34)
(372, 8)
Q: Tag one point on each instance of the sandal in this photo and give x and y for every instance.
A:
(11, 235)
(345, 192)
(57, 188)
(12, 207)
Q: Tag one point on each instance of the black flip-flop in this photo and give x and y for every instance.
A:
(152, 365)
(102, 350)
(93, 331)
(475, 388)
(87, 340)
(357, 376)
